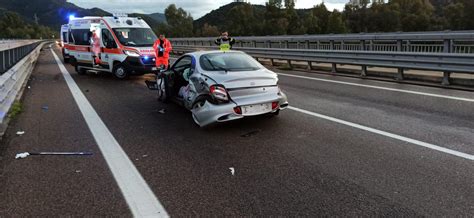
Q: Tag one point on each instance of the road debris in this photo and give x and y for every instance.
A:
(45, 107)
(145, 155)
(232, 170)
(78, 171)
(29, 87)
(162, 111)
(22, 155)
(20, 133)
(26, 154)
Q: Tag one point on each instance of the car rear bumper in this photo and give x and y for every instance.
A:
(214, 113)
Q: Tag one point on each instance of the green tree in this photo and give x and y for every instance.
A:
(311, 22)
(383, 18)
(335, 24)
(209, 30)
(322, 16)
(180, 21)
(415, 15)
(295, 25)
(275, 21)
(242, 20)
(454, 15)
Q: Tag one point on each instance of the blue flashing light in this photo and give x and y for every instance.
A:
(146, 58)
(71, 16)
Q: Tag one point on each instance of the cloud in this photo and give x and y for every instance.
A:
(197, 8)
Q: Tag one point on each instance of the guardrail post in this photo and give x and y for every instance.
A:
(308, 46)
(241, 44)
(287, 44)
(3, 62)
(9, 58)
(318, 45)
(364, 67)
(333, 66)
(446, 49)
(254, 44)
(269, 44)
(401, 71)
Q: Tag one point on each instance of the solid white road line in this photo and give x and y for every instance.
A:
(138, 195)
(391, 135)
(380, 87)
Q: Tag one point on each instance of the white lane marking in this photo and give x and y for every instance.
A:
(379, 87)
(140, 198)
(391, 135)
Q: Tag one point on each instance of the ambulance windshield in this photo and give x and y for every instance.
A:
(135, 36)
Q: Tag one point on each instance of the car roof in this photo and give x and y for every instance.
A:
(200, 53)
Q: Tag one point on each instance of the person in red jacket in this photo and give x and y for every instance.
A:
(162, 49)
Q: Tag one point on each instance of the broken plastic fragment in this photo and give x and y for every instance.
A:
(29, 87)
(78, 171)
(20, 132)
(232, 170)
(22, 155)
(145, 155)
(45, 107)
(162, 111)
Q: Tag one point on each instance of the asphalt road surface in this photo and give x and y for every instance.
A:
(346, 147)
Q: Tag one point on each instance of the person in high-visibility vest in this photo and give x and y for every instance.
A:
(162, 47)
(224, 41)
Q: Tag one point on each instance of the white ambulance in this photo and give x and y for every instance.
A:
(64, 41)
(126, 45)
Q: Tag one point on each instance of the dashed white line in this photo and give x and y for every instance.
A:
(138, 195)
(380, 87)
(387, 134)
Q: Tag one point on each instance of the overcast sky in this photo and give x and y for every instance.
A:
(197, 8)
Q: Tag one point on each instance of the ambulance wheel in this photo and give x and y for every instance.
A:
(120, 71)
(80, 71)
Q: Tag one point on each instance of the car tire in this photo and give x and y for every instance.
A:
(120, 72)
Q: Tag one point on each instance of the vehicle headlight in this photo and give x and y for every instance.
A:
(131, 53)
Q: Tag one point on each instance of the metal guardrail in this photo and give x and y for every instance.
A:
(12, 81)
(9, 57)
(432, 42)
(448, 52)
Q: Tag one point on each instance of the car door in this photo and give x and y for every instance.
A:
(109, 47)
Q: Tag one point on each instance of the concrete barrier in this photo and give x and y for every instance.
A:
(12, 82)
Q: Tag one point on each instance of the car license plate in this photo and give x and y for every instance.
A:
(256, 109)
(154, 68)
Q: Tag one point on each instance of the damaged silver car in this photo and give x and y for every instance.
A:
(220, 86)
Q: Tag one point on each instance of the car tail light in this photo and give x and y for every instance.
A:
(219, 93)
(238, 110)
(274, 105)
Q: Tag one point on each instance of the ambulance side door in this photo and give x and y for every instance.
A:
(108, 46)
